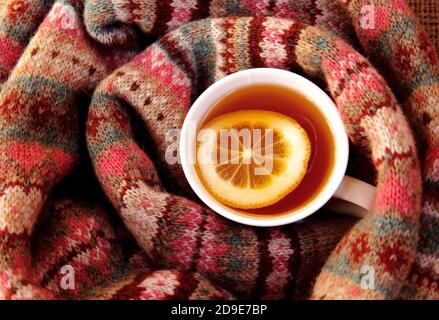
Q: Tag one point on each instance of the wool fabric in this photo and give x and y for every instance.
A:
(140, 91)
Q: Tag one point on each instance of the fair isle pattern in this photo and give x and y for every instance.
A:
(38, 87)
(280, 248)
(40, 146)
(273, 50)
(196, 238)
(399, 43)
(427, 12)
(40, 142)
(19, 20)
(80, 236)
(112, 21)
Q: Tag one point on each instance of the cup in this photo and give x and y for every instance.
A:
(348, 195)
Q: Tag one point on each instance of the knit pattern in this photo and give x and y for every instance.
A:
(140, 95)
(427, 13)
(112, 22)
(403, 49)
(138, 282)
(370, 111)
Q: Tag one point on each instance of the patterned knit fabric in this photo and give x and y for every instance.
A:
(19, 19)
(139, 282)
(90, 46)
(427, 12)
(404, 51)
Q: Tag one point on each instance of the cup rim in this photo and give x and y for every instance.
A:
(203, 104)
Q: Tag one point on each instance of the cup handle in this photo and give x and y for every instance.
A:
(353, 197)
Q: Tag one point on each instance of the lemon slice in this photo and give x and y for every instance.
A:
(252, 158)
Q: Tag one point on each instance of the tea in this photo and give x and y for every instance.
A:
(283, 100)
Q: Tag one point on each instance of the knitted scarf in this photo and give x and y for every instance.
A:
(90, 90)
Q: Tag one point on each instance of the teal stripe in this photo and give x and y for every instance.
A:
(96, 7)
(234, 7)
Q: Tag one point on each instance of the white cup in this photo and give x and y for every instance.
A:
(355, 197)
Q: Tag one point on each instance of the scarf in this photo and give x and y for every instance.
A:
(91, 209)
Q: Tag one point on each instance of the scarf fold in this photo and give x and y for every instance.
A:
(141, 96)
